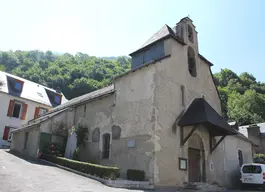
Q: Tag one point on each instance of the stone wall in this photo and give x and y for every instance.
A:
(96, 116)
(171, 74)
(32, 144)
(232, 144)
(127, 115)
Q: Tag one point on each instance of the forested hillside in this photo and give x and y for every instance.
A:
(242, 97)
(75, 75)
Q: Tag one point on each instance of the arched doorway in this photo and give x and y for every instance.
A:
(196, 159)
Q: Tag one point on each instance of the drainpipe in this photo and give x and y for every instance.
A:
(224, 163)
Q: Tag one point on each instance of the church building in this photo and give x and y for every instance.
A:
(163, 117)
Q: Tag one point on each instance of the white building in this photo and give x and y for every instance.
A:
(22, 100)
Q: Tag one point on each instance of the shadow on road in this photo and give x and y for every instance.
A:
(26, 158)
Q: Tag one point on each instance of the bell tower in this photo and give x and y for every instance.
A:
(185, 30)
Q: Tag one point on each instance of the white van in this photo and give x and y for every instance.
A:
(252, 174)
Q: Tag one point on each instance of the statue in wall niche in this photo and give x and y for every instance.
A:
(116, 132)
(96, 135)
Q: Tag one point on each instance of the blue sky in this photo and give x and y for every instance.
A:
(231, 32)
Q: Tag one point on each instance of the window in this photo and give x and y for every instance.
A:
(106, 146)
(10, 135)
(240, 158)
(7, 133)
(192, 62)
(183, 95)
(26, 140)
(57, 99)
(42, 111)
(251, 169)
(190, 33)
(18, 86)
(39, 112)
(17, 110)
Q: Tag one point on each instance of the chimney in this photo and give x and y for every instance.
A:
(254, 135)
(58, 90)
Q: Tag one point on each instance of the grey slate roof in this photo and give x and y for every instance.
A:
(86, 97)
(38, 121)
(201, 112)
(163, 32)
(81, 99)
(68, 104)
(31, 91)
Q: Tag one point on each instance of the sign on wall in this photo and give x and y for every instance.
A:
(131, 143)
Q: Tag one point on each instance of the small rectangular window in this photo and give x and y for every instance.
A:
(240, 158)
(10, 134)
(42, 111)
(26, 140)
(57, 99)
(17, 110)
(6, 133)
(183, 95)
(106, 146)
(18, 86)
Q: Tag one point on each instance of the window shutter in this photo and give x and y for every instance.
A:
(37, 112)
(6, 133)
(24, 111)
(10, 108)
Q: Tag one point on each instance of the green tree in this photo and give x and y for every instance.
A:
(224, 92)
(247, 108)
(2, 68)
(222, 78)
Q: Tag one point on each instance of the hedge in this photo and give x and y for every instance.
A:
(135, 175)
(104, 172)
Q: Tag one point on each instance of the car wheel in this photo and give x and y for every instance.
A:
(263, 187)
(243, 186)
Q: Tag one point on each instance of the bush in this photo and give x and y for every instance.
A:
(259, 158)
(135, 175)
(76, 154)
(104, 172)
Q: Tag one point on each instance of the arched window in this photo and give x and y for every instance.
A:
(106, 146)
(192, 62)
(190, 33)
(240, 157)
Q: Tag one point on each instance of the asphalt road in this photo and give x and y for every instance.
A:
(19, 175)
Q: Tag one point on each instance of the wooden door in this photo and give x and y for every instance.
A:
(194, 164)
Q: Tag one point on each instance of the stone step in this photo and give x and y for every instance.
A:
(203, 186)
